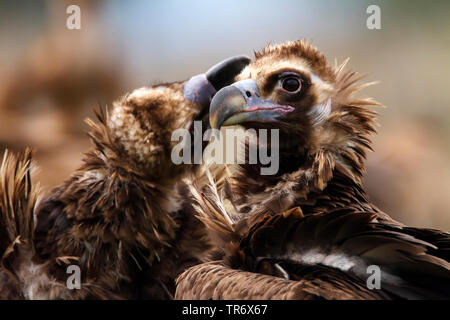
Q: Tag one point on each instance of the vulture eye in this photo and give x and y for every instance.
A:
(291, 84)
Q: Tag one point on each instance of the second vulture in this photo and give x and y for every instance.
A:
(309, 231)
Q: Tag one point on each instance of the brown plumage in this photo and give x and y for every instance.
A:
(309, 231)
(125, 217)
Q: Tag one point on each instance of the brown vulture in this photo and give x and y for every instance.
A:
(124, 218)
(309, 231)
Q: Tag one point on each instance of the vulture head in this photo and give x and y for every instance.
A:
(141, 123)
(291, 87)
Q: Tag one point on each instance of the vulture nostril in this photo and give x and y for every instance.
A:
(248, 93)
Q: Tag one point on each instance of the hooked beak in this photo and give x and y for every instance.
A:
(240, 103)
(202, 87)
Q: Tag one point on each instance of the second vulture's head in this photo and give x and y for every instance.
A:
(291, 87)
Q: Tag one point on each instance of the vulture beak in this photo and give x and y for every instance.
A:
(241, 102)
(223, 73)
(202, 87)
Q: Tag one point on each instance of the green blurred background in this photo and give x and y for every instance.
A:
(51, 77)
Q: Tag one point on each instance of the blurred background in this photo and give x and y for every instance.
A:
(51, 77)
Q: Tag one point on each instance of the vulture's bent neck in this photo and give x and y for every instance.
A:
(340, 192)
(291, 188)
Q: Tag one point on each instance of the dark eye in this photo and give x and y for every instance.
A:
(291, 84)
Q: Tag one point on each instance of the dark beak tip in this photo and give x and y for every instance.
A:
(223, 73)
